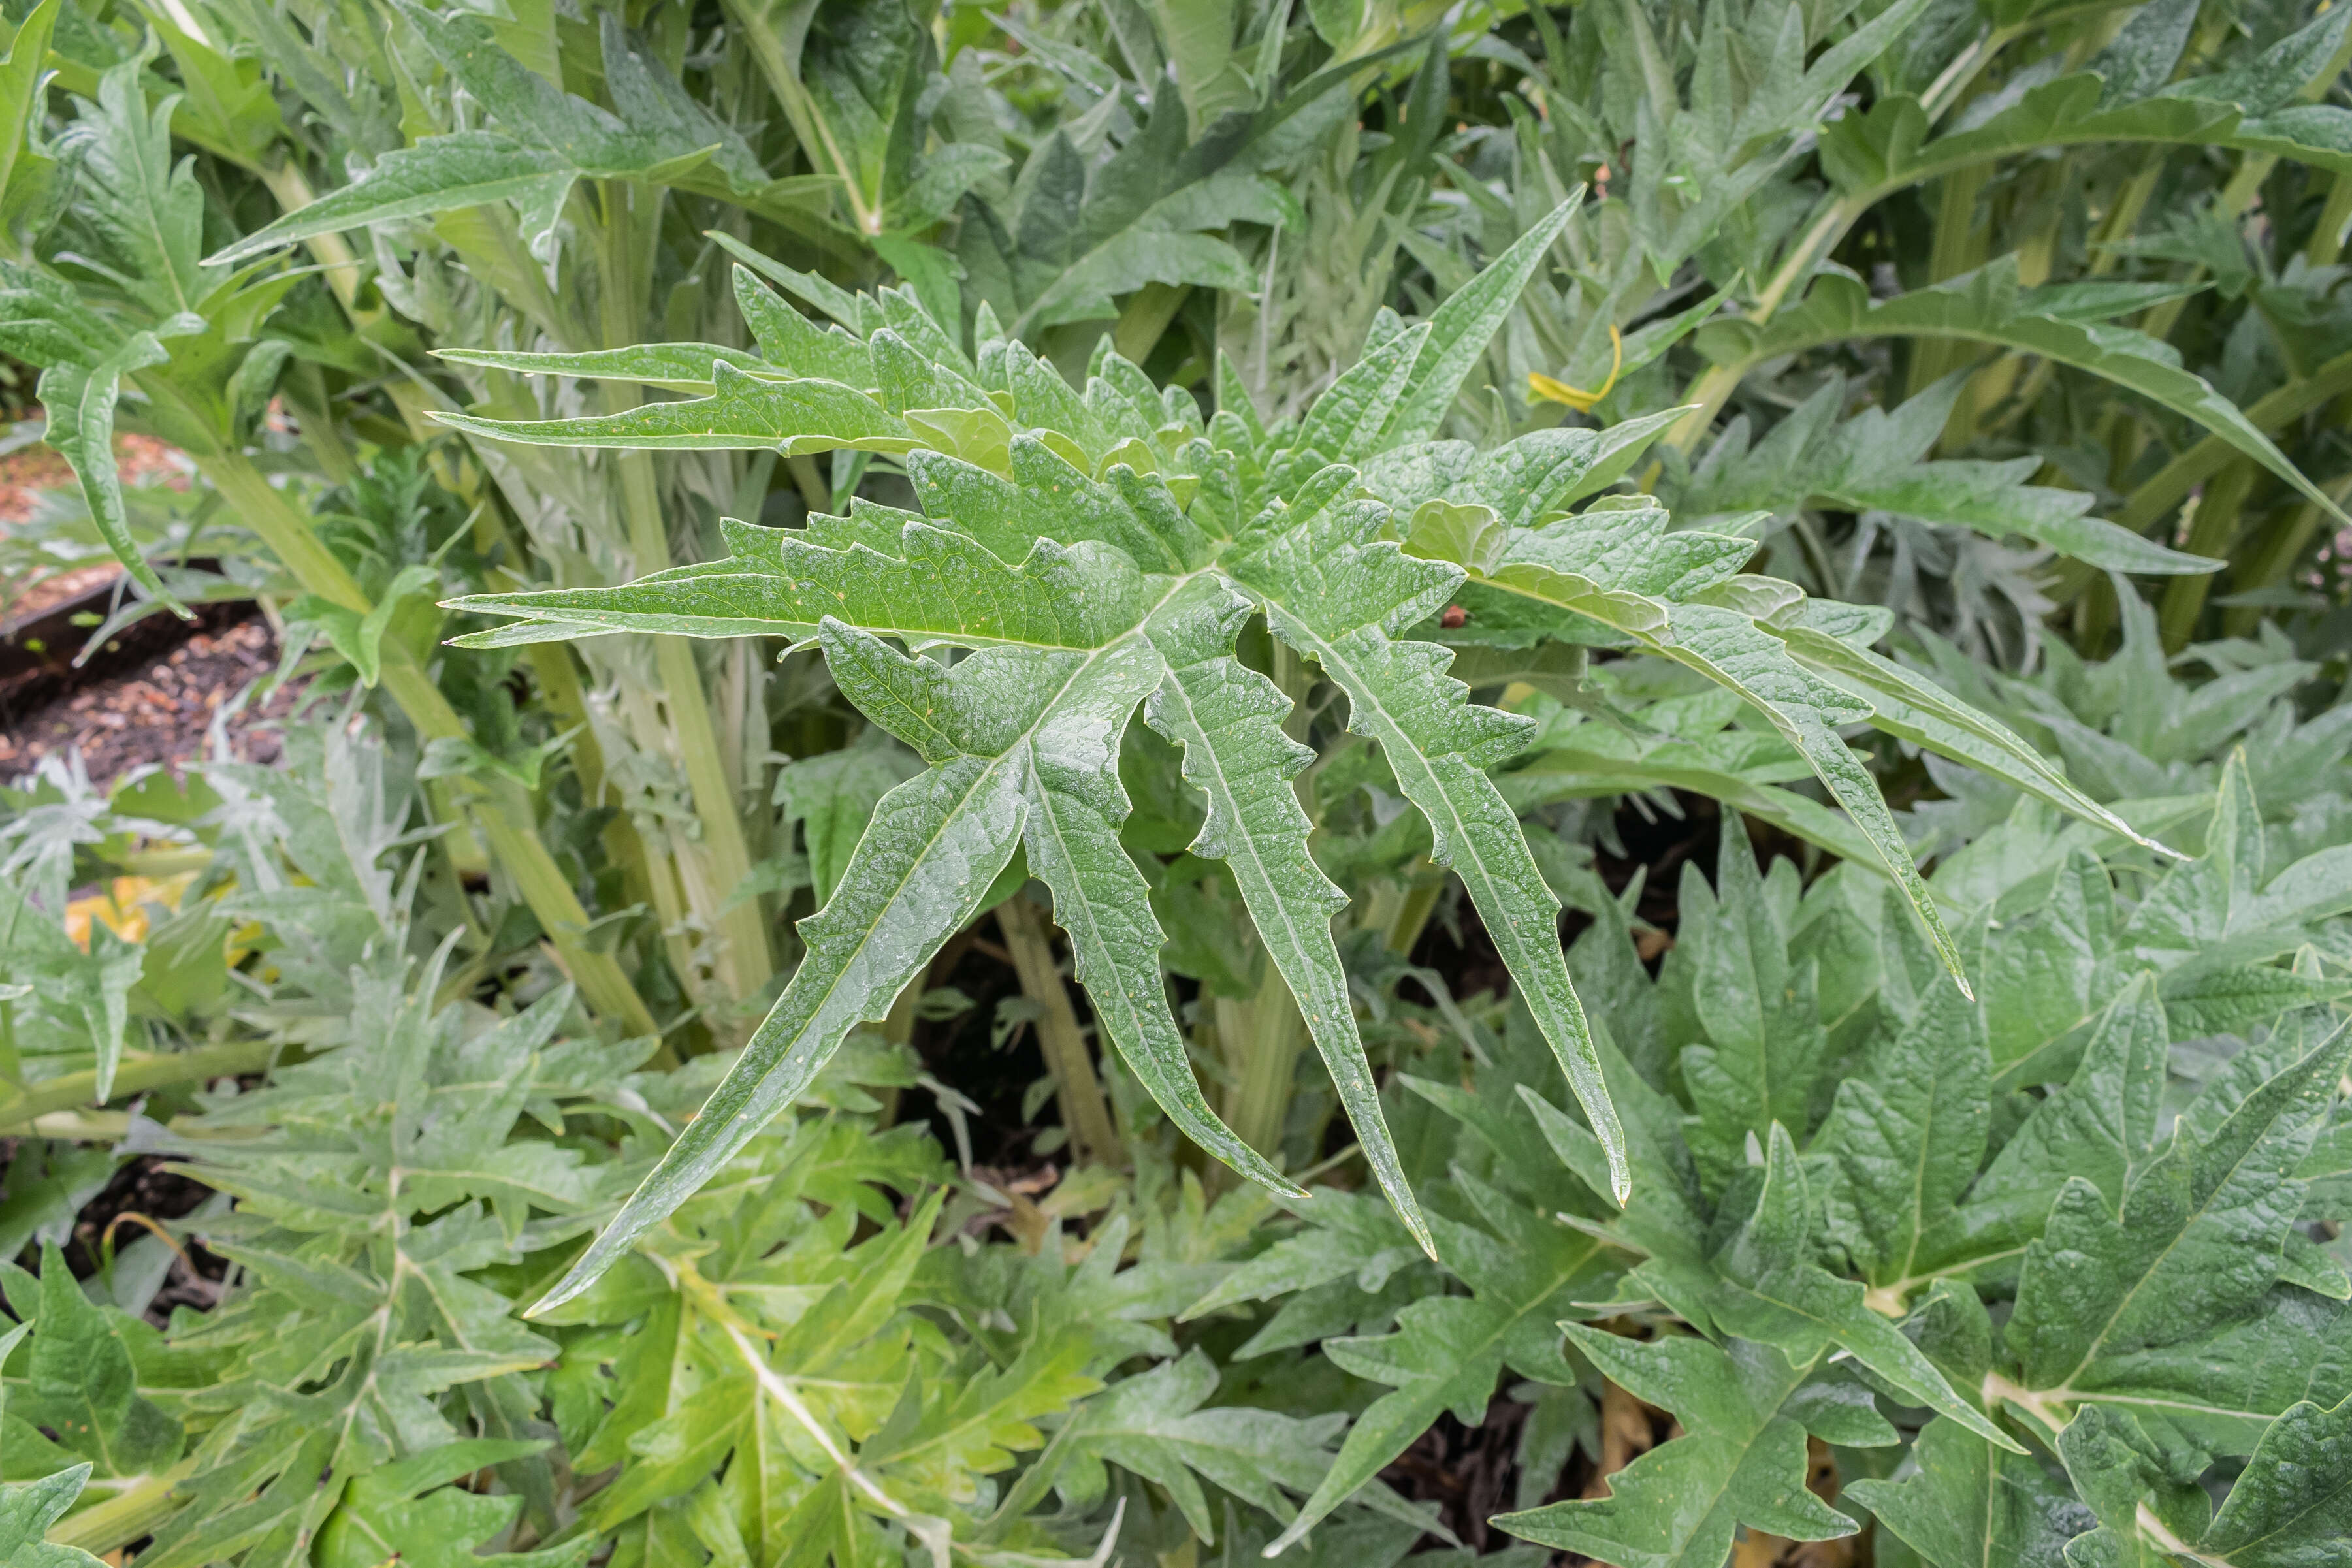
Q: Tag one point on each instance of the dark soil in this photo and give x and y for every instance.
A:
(958, 1051)
(145, 1187)
(1471, 1473)
(160, 713)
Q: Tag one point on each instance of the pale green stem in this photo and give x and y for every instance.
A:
(136, 1075)
(1714, 388)
(2268, 564)
(1260, 1040)
(1419, 903)
(725, 856)
(2327, 242)
(1086, 1115)
(2211, 532)
(1148, 312)
(126, 1517)
(501, 810)
(333, 253)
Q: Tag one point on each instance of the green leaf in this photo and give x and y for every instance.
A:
(2099, 1127)
(744, 412)
(1764, 1045)
(1345, 1236)
(20, 77)
(792, 342)
(936, 843)
(2289, 1505)
(1448, 1350)
(1770, 1292)
(91, 989)
(1155, 1425)
(888, 572)
(1909, 1136)
(2194, 1249)
(82, 1384)
(1103, 901)
(1228, 720)
(360, 637)
(1741, 1462)
(27, 1509)
(1676, 594)
(891, 573)
(1075, 236)
(1349, 421)
(1022, 750)
(79, 399)
(1877, 461)
(1986, 307)
(142, 217)
(1970, 1504)
(833, 795)
(1459, 330)
(1906, 706)
(2292, 1502)
(2121, 97)
(407, 1511)
(1339, 595)
(681, 367)
(463, 169)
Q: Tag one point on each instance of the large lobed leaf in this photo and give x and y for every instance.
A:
(1095, 548)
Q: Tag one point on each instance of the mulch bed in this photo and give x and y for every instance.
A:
(139, 459)
(152, 696)
(160, 715)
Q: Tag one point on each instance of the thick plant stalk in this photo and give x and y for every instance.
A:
(745, 965)
(2267, 564)
(552, 667)
(499, 809)
(1084, 1112)
(1260, 1040)
(1959, 246)
(2326, 243)
(1713, 388)
(2214, 531)
(1146, 317)
(335, 254)
(727, 861)
(127, 1516)
(136, 1075)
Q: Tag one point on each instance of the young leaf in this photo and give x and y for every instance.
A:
(2195, 1247)
(81, 1384)
(1970, 1503)
(1741, 1462)
(27, 1509)
(1448, 1350)
(463, 169)
(1985, 306)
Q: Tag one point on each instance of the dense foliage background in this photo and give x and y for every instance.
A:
(955, 665)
